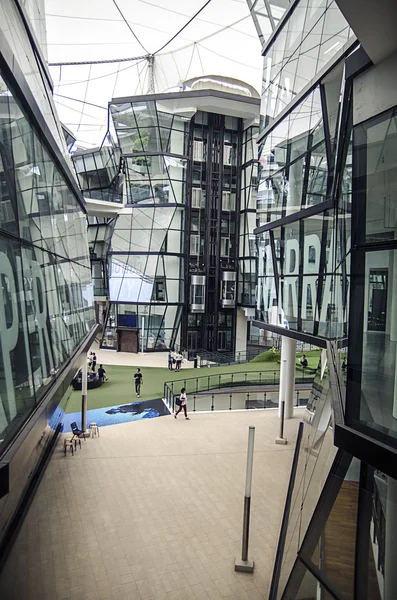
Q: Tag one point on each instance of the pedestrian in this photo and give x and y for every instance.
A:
(89, 360)
(102, 373)
(344, 364)
(138, 382)
(183, 404)
(93, 362)
(178, 362)
(169, 360)
(303, 361)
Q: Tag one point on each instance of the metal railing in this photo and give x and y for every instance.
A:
(236, 400)
(197, 386)
(214, 359)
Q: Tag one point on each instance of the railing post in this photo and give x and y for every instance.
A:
(230, 401)
(219, 381)
(274, 377)
(264, 400)
(196, 386)
(208, 385)
(248, 399)
(212, 405)
(297, 398)
(245, 379)
(260, 377)
(194, 403)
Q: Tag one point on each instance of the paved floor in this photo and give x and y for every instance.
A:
(153, 510)
(146, 359)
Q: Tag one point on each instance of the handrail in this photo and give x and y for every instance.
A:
(206, 383)
(237, 400)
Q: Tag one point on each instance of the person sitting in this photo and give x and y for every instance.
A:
(102, 373)
(303, 362)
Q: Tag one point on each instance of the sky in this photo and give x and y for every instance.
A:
(220, 40)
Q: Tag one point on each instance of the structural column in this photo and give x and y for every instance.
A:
(287, 376)
(390, 545)
(84, 395)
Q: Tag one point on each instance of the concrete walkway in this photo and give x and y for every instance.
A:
(153, 510)
(146, 359)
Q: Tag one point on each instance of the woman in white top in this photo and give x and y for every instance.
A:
(183, 399)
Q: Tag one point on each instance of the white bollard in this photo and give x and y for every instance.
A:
(243, 564)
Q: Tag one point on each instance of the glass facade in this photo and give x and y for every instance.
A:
(313, 34)
(183, 243)
(46, 301)
(326, 247)
(46, 307)
(303, 214)
(98, 173)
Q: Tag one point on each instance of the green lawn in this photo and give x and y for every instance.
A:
(120, 387)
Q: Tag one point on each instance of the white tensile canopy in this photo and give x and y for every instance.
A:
(165, 43)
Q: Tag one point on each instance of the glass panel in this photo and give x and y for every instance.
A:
(376, 175)
(377, 368)
(336, 550)
(315, 460)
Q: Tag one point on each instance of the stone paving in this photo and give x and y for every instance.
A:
(153, 510)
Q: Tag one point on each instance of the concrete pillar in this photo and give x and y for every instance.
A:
(287, 375)
(390, 545)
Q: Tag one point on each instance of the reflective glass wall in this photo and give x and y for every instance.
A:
(46, 301)
(304, 215)
(372, 374)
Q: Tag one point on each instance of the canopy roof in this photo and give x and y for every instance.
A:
(182, 40)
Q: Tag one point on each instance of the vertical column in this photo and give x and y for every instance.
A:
(390, 546)
(287, 375)
(392, 308)
(392, 281)
(84, 395)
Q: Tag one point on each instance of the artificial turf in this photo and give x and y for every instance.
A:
(120, 388)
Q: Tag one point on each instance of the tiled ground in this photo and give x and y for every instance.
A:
(153, 510)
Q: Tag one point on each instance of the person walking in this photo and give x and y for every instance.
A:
(183, 404)
(178, 362)
(102, 373)
(169, 360)
(138, 382)
(93, 362)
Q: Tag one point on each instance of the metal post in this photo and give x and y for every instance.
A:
(143, 333)
(230, 401)
(194, 403)
(280, 439)
(212, 405)
(84, 395)
(243, 564)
